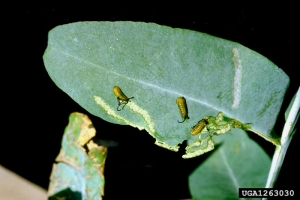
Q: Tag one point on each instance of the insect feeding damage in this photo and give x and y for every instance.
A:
(237, 80)
(136, 110)
(208, 127)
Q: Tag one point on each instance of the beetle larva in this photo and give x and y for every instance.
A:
(199, 127)
(122, 98)
(182, 108)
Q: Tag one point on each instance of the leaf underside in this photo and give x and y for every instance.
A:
(156, 65)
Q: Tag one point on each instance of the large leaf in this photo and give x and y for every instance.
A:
(238, 162)
(156, 65)
(79, 174)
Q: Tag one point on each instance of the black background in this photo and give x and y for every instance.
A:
(36, 111)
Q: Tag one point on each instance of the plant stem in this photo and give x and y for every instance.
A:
(286, 137)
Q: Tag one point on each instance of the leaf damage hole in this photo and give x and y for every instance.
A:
(110, 111)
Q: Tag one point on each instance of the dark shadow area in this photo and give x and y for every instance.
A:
(143, 169)
(66, 194)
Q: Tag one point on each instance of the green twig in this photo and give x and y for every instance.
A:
(286, 137)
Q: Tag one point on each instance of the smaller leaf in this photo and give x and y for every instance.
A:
(237, 162)
(78, 175)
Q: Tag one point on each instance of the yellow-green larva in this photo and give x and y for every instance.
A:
(122, 98)
(199, 127)
(182, 108)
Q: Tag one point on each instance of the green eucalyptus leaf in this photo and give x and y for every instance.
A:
(237, 162)
(156, 65)
(78, 174)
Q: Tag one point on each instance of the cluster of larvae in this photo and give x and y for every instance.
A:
(208, 126)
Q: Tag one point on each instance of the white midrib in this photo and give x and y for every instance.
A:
(230, 172)
(140, 81)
